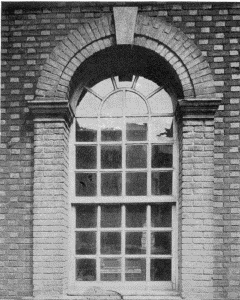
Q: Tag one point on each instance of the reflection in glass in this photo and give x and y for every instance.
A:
(111, 184)
(136, 243)
(86, 216)
(136, 156)
(135, 215)
(86, 130)
(88, 106)
(85, 269)
(136, 184)
(136, 129)
(161, 183)
(113, 106)
(135, 105)
(111, 129)
(111, 216)
(161, 103)
(110, 243)
(86, 184)
(110, 269)
(145, 86)
(86, 157)
(160, 269)
(111, 157)
(86, 242)
(135, 269)
(161, 215)
(161, 129)
(161, 243)
(162, 156)
(111, 135)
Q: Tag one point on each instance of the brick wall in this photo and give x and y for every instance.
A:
(29, 35)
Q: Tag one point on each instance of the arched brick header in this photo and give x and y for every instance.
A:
(151, 33)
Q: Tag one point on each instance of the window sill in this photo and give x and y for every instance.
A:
(126, 293)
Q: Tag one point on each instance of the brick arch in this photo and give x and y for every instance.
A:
(67, 56)
(183, 55)
(152, 33)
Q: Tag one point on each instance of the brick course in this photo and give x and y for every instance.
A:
(30, 36)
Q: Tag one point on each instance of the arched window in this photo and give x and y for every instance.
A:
(124, 185)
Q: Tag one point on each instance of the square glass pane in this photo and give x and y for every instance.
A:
(136, 215)
(136, 156)
(161, 129)
(137, 129)
(161, 269)
(86, 242)
(86, 184)
(110, 216)
(135, 269)
(86, 216)
(161, 243)
(86, 130)
(110, 269)
(111, 129)
(111, 157)
(86, 269)
(86, 157)
(110, 243)
(136, 184)
(161, 215)
(136, 243)
(162, 156)
(111, 184)
(161, 183)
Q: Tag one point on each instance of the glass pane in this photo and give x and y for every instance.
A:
(110, 269)
(136, 215)
(110, 243)
(161, 183)
(103, 88)
(124, 84)
(85, 242)
(136, 129)
(135, 105)
(111, 184)
(136, 156)
(113, 106)
(89, 106)
(86, 184)
(161, 103)
(162, 156)
(111, 129)
(161, 215)
(136, 243)
(136, 184)
(111, 157)
(135, 269)
(86, 130)
(161, 243)
(160, 269)
(85, 269)
(86, 216)
(86, 157)
(145, 86)
(111, 216)
(161, 129)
